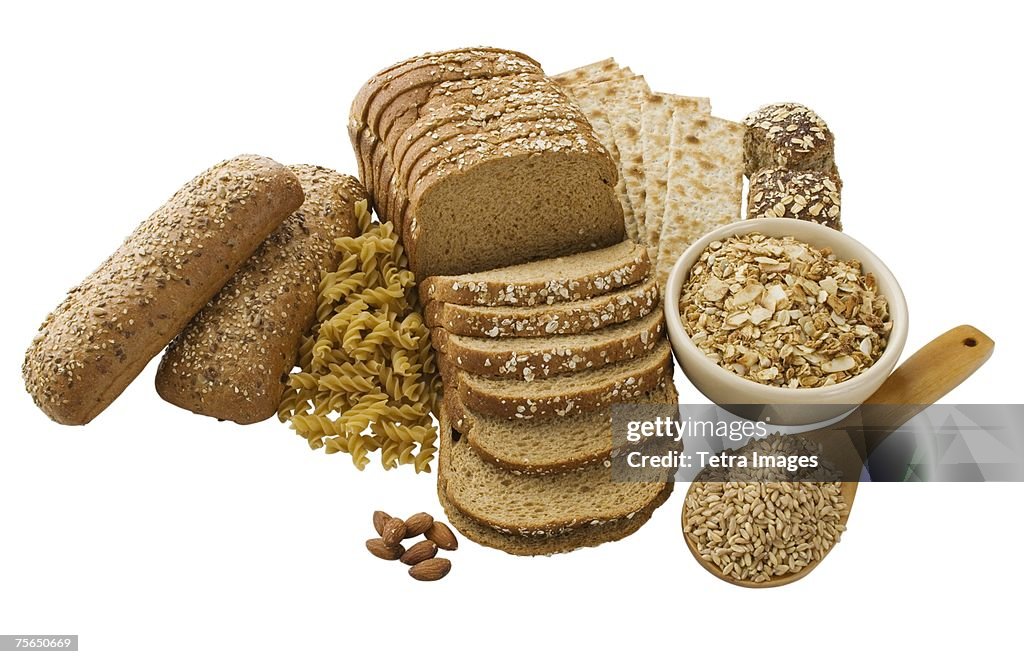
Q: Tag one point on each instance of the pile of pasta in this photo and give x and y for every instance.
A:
(367, 377)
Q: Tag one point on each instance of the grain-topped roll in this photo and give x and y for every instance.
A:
(109, 326)
(232, 360)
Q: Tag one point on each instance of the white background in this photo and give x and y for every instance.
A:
(158, 535)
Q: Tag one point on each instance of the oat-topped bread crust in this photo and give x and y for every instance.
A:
(809, 195)
(494, 100)
(787, 135)
(536, 505)
(563, 279)
(382, 89)
(230, 361)
(546, 319)
(406, 107)
(527, 358)
(561, 395)
(544, 446)
(461, 143)
(109, 326)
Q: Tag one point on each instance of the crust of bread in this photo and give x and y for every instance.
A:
(231, 359)
(109, 326)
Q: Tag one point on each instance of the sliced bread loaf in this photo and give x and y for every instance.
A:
(537, 505)
(563, 279)
(545, 319)
(543, 446)
(561, 395)
(527, 358)
(546, 545)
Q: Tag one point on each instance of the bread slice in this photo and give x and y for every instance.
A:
(705, 184)
(527, 358)
(656, 113)
(546, 319)
(563, 279)
(538, 505)
(534, 198)
(561, 395)
(546, 545)
(544, 446)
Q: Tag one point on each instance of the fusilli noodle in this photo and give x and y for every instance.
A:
(367, 377)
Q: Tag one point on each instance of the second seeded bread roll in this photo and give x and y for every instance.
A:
(110, 325)
(233, 358)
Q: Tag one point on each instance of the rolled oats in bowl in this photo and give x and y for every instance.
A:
(780, 312)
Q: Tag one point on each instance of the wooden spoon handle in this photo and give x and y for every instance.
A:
(927, 376)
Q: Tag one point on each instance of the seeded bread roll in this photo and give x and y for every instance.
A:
(109, 326)
(810, 195)
(790, 136)
(232, 359)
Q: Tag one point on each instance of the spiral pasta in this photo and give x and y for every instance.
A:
(367, 378)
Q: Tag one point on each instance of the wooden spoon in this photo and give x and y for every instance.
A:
(927, 376)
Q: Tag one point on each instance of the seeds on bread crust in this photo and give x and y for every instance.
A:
(546, 320)
(124, 313)
(547, 281)
(808, 195)
(790, 136)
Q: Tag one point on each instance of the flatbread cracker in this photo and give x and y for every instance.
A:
(596, 101)
(705, 184)
(595, 72)
(655, 132)
(625, 115)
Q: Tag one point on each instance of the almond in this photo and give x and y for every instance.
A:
(393, 531)
(383, 550)
(419, 552)
(442, 536)
(431, 570)
(379, 519)
(417, 524)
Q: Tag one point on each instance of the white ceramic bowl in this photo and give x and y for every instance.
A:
(785, 406)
